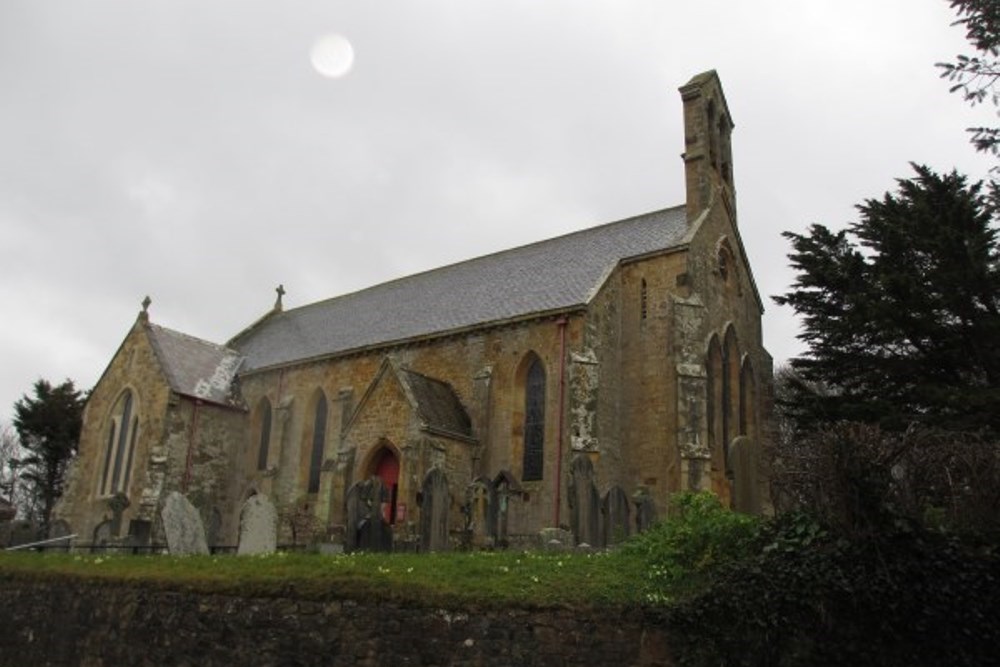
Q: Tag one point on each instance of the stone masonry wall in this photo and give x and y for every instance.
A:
(98, 624)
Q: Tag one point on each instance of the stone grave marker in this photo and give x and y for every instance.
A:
(258, 526)
(645, 510)
(480, 505)
(614, 516)
(182, 525)
(117, 503)
(140, 533)
(505, 489)
(435, 501)
(58, 529)
(355, 512)
(745, 459)
(102, 533)
(555, 539)
(367, 529)
(584, 502)
(23, 532)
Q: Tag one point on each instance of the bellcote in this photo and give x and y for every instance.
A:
(708, 156)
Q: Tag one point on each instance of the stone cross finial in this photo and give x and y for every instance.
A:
(280, 289)
(144, 315)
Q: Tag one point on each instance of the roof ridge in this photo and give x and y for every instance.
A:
(497, 253)
(195, 339)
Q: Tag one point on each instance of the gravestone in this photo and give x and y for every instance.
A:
(102, 534)
(584, 502)
(182, 525)
(505, 489)
(23, 532)
(367, 529)
(480, 505)
(117, 503)
(434, 501)
(213, 531)
(140, 533)
(645, 510)
(615, 516)
(59, 529)
(555, 539)
(745, 459)
(258, 526)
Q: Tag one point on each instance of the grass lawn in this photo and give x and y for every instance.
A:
(483, 578)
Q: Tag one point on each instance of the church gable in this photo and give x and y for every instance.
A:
(194, 367)
(436, 404)
(400, 402)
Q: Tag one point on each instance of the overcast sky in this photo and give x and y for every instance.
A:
(188, 150)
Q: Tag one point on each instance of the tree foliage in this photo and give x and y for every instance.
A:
(10, 453)
(901, 310)
(978, 77)
(48, 426)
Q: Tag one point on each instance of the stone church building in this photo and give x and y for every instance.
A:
(626, 356)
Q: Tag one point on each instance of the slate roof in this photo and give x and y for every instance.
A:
(436, 403)
(551, 275)
(195, 367)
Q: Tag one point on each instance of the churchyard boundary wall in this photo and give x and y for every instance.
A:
(99, 623)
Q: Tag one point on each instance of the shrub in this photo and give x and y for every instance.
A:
(809, 597)
(698, 536)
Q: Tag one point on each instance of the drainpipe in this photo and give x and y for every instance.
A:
(192, 437)
(561, 323)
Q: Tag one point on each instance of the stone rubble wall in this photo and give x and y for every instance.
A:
(98, 624)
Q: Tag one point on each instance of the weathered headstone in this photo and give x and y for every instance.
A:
(117, 503)
(367, 529)
(505, 489)
(182, 525)
(102, 534)
(258, 526)
(139, 533)
(645, 510)
(435, 501)
(584, 502)
(213, 531)
(480, 505)
(23, 532)
(555, 539)
(614, 516)
(59, 529)
(745, 460)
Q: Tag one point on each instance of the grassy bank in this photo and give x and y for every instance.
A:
(487, 578)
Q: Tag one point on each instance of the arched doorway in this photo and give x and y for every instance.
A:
(385, 466)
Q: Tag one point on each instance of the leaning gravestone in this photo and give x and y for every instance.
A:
(258, 527)
(583, 500)
(645, 510)
(480, 504)
(615, 516)
(183, 527)
(435, 500)
(745, 460)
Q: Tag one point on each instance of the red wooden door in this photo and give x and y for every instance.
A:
(387, 469)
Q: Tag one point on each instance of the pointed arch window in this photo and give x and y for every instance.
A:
(123, 429)
(643, 300)
(264, 437)
(534, 421)
(318, 439)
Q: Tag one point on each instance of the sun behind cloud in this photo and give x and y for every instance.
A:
(332, 55)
